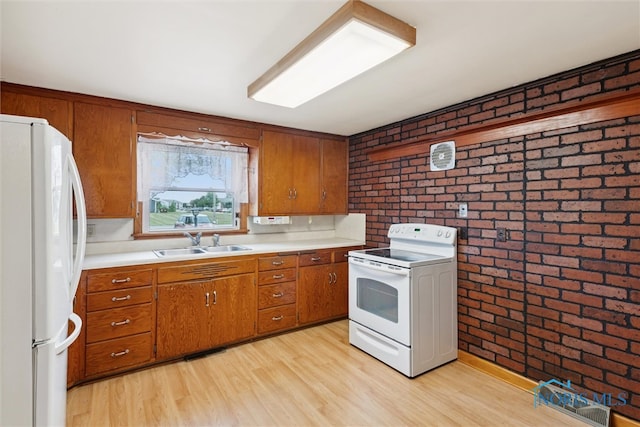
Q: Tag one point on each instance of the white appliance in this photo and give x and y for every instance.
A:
(403, 307)
(39, 269)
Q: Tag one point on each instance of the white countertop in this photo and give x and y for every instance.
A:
(123, 259)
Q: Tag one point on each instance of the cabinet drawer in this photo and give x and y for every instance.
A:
(119, 322)
(274, 295)
(120, 298)
(277, 262)
(277, 276)
(118, 353)
(315, 258)
(210, 270)
(341, 255)
(118, 280)
(277, 318)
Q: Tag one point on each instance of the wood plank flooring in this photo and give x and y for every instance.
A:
(311, 377)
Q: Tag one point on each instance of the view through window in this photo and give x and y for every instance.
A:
(190, 185)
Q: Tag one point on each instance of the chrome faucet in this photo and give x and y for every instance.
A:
(216, 240)
(195, 240)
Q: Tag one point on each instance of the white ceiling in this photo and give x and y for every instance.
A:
(201, 55)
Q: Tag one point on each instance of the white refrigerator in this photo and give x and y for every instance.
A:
(40, 266)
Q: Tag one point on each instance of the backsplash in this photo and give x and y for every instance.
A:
(115, 235)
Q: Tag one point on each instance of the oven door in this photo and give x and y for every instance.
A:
(379, 298)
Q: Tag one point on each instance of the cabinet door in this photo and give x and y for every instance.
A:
(340, 290)
(234, 308)
(289, 174)
(335, 169)
(56, 111)
(183, 318)
(103, 148)
(305, 165)
(276, 154)
(314, 293)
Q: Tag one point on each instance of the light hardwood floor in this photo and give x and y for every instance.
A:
(311, 377)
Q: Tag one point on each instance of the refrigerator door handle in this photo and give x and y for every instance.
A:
(77, 325)
(81, 211)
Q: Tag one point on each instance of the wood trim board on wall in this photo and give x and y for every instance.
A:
(607, 107)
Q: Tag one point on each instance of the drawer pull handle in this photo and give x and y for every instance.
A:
(278, 276)
(127, 280)
(276, 318)
(203, 129)
(124, 322)
(277, 262)
(316, 258)
(215, 297)
(122, 353)
(114, 299)
(278, 295)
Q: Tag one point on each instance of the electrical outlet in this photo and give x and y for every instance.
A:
(462, 210)
(502, 234)
(91, 230)
(463, 234)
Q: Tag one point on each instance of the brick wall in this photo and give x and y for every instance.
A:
(561, 297)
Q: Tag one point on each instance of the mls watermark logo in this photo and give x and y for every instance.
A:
(591, 408)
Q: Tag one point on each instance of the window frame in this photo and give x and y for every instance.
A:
(243, 208)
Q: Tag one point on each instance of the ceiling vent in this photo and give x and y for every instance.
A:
(443, 156)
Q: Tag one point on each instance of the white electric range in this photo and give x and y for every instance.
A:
(403, 298)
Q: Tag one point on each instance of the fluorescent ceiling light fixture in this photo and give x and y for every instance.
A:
(354, 39)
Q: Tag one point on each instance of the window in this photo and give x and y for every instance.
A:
(190, 185)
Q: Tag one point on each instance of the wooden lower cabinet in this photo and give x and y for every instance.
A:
(137, 316)
(323, 286)
(277, 282)
(120, 320)
(197, 316)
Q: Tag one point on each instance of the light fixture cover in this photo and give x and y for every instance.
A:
(354, 39)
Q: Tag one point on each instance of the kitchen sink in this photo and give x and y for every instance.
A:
(195, 250)
(180, 251)
(226, 248)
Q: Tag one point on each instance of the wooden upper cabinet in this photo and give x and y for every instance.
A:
(289, 174)
(58, 112)
(335, 169)
(199, 126)
(104, 151)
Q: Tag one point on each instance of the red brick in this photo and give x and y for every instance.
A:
(605, 363)
(624, 332)
(605, 291)
(582, 322)
(606, 340)
(583, 299)
(610, 218)
(583, 345)
(606, 316)
(624, 307)
(604, 242)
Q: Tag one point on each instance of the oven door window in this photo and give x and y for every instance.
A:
(378, 299)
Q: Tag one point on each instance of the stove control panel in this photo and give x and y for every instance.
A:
(423, 233)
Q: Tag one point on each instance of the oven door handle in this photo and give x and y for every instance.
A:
(373, 266)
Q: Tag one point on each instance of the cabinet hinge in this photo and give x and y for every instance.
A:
(133, 119)
(155, 295)
(155, 349)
